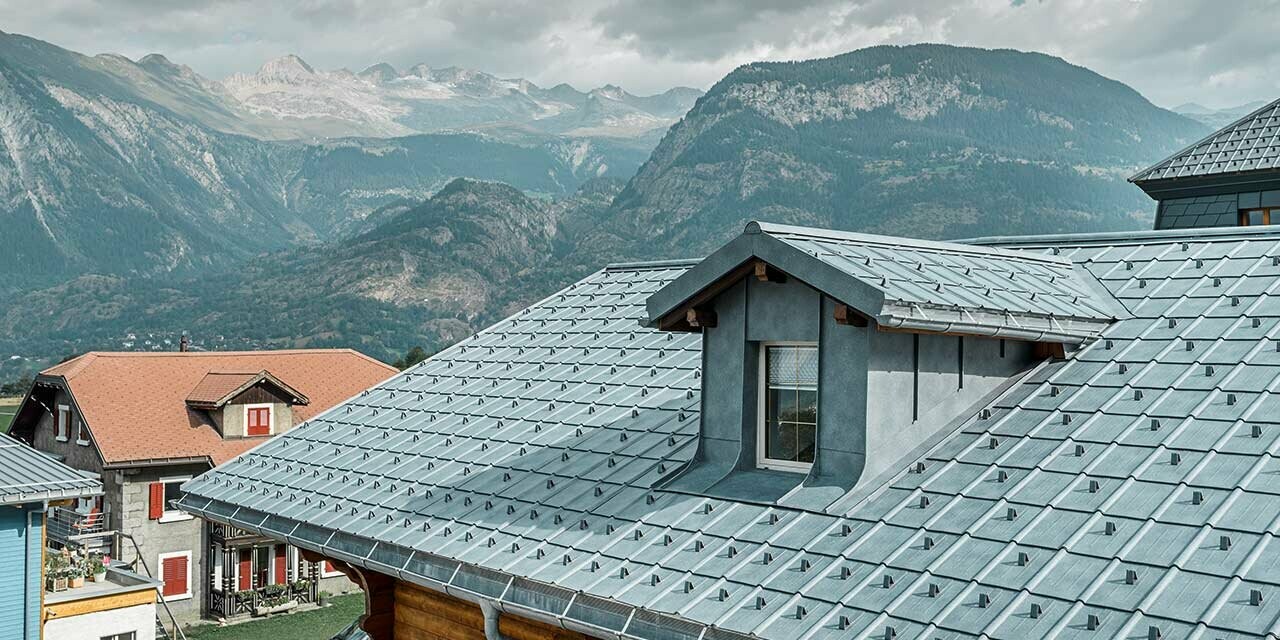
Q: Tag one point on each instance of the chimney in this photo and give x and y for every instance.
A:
(182, 343)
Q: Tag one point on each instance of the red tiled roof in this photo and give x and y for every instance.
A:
(134, 403)
(218, 387)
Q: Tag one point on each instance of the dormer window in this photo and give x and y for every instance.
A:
(257, 420)
(788, 424)
(1259, 217)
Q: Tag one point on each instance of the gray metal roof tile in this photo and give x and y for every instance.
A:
(1100, 487)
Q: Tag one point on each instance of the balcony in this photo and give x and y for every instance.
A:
(68, 527)
(263, 600)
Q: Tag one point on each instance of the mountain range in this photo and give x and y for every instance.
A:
(141, 168)
(386, 243)
(1218, 118)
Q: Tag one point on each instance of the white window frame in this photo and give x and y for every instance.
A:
(329, 574)
(173, 515)
(763, 462)
(62, 428)
(78, 421)
(271, 418)
(160, 573)
(218, 568)
(271, 575)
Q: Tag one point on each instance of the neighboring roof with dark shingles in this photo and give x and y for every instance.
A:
(28, 475)
(134, 403)
(1137, 481)
(1249, 144)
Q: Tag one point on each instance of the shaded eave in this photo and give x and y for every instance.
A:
(452, 577)
(756, 253)
(24, 425)
(262, 377)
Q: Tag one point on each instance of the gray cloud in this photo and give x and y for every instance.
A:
(1191, 50)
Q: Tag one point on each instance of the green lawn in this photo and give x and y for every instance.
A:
(8, 406)
(319, 624)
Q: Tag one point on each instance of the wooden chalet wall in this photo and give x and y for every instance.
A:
(421, 614)
(399, 610)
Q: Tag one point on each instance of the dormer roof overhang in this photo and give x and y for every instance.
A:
(218, 388)
(900, 284)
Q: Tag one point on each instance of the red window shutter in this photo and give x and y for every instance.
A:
(281, 557)
(174, 571)
(259, 421)
(246, 570)
(156, 505)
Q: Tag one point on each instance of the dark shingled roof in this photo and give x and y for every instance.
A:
(1133, 487)
(1249, 144)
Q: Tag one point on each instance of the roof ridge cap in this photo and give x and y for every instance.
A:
(940, 246)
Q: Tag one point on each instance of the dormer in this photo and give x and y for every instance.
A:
(246, 405)
(1229, 179)
(829, 357)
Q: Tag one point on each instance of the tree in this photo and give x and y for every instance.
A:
(412, 357)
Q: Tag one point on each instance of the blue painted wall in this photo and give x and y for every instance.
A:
(20, 547)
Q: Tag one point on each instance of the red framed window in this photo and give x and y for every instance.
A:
(174, 572)
(245, 574)
(281, 567)
(258, 421)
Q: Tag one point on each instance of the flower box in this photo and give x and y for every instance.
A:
(263, 610)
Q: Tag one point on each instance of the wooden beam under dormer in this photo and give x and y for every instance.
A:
(700, 318)
(848, 316)
(767, 273)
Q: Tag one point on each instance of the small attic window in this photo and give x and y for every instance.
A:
(788, 414)
(1259, 217)
(257, 419)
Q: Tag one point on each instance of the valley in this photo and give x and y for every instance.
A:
(165, 206)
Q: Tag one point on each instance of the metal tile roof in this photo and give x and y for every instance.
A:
(918, 284)
(1248, 144)
(1128, 490)
(28, 475)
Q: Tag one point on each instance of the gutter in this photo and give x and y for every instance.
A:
(498, 602)
(158, 462)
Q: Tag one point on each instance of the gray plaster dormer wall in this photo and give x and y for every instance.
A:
(881, 394)
(750, 313)
(905, 411)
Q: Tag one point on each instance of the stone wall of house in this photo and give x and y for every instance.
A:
(167, 535)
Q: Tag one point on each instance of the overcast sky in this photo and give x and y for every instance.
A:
(1216, 52)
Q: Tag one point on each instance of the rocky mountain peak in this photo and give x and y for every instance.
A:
(286, 68)
(381, 72)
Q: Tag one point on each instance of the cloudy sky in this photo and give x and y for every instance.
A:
(1218, 53)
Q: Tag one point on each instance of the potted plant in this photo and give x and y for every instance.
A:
(56, 573)
(97, 570)
(323, 599)
(274, 598)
